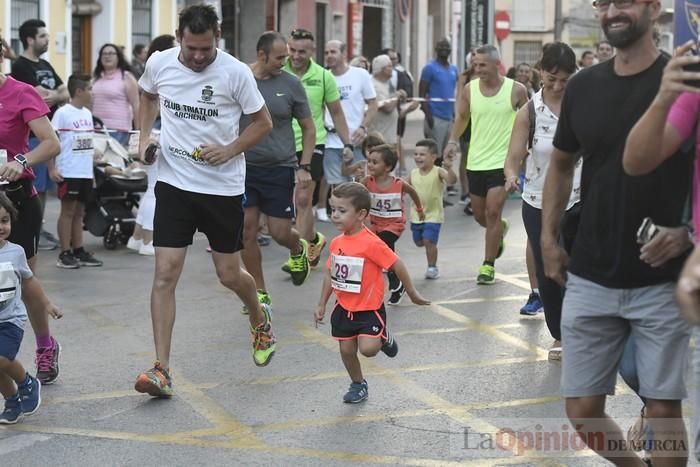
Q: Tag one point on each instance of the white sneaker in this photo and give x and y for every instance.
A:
(432, 273)
(322, 215)
(147, 249)
(134, 244)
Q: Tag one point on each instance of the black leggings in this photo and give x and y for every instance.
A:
(390, 239)
(551, 293)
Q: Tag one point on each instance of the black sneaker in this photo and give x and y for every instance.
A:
(47, 369)
(397, 295)
(66, 260)
(357, 393)
(390, 346)
(86, 258)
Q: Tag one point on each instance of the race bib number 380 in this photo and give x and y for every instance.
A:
(346, 273)
(82, 144)
(386, 205)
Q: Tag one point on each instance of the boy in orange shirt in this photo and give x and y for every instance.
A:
(356, 264)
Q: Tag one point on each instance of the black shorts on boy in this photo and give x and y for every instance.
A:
(351, 324)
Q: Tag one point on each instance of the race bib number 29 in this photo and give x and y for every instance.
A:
(346, 273)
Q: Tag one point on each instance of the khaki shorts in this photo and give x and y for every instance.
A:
(596, 322)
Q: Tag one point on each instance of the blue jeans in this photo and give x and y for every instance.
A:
(42, 181)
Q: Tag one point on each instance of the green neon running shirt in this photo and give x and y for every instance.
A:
(320, 88)
(492, 123)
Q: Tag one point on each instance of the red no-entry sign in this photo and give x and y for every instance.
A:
(502, 24)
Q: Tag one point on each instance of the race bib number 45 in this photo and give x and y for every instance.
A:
(346, 273)
(386, 205)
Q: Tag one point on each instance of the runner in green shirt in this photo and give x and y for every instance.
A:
(322, 92)
(490, 102)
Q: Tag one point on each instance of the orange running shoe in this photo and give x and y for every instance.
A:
(155, 382)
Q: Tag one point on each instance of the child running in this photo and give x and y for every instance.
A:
(73, 171)
(355, 266)
(358, 169)
(21, 391)
(387, 215)
(429, 182)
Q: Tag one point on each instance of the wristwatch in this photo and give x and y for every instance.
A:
(306, 167)
(350, 146)
(22, 160)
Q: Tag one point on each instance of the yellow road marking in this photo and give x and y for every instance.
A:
(105, 395)
(507, 298)
(302, 423)
(100, 320)
(514, 281)
(417, 392)
(242, 435)
(381, 371)
(489, 330)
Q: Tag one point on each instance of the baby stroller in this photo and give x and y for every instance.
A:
(110, 212)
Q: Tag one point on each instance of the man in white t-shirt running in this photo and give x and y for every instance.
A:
(203, 92)
(356, 93)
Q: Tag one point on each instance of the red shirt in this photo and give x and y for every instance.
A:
(19, 105)
(387, 212)
(357, 264)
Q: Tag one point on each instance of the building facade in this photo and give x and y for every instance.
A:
(78, 28)
(533, 25)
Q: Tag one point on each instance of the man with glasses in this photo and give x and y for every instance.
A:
(322, 93)
(614, 292)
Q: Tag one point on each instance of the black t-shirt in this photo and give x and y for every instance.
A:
(598, 111)
(39, 73)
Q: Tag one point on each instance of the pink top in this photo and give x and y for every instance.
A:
(684, 118)
(110, 103)
(381, 217)
(19, 105)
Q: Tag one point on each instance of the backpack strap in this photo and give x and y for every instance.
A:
(532, 117)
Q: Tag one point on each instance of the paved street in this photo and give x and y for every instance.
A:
(467, 362)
